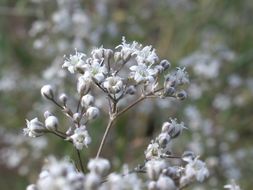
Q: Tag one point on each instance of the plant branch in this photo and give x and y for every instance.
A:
(80, 160)
(109, 125)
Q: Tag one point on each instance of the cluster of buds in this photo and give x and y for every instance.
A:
(161, 172)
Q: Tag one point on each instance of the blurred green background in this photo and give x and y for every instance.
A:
(212, 38)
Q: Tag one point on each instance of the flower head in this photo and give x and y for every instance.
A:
(34, 128)
(74, 62)
(80, 137)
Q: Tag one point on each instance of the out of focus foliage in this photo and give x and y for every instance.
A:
(213, 39)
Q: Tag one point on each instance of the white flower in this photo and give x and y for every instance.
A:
(51, 123)
(74, 62)
(113, 84)
(128, 49)
(197, 169)
(95, 69)
(173, 128)
(99, 165)
(146, 55)
(232, 186)
(80, 137)
(152, 151)
(179, 77)
(143, 73)
(34, 128)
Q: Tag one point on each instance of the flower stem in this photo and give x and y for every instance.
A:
(80, 160)
(104, 136)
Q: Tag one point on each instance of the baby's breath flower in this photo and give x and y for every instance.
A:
(113, 84)
(154, 168)
(146, 55)
(74, 62)
(143, 73)
(83, 84)
(195, 169)
(34, 128)
(95, 69)
(80, 137)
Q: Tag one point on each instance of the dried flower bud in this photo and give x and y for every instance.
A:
(47, 92)
(51, 123)
(108, 53)
(63, 98)
(87, 100)
(92, 113)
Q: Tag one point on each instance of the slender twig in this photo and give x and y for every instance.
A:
(131, 105)
(111, 120)
(80, 160)
(78, 104)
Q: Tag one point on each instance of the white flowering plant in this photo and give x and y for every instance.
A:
(125, 76)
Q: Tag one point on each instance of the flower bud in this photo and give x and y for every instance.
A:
(131, 90)
(83, 85)
(87, 100)
(34, 128)
(108, 53)
(51, 123)
(165, 64)
(181, 95)
(92, 113)
(47, 92)
(63, 98)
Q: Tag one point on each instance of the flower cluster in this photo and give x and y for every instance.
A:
(128, 70)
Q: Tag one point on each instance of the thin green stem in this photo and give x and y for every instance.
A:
(80, 160)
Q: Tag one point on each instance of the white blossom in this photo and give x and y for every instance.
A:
(74, 62)
(95, 69)
(142, 73)
(113, 84)
(87, 100)
(92, 113)
(146, 55)
(80, 137)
